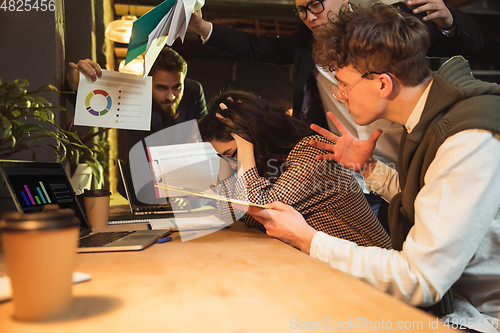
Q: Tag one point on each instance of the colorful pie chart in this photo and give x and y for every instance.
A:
(91, 95)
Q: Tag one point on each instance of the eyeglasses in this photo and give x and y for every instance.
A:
(231, 158)
(315, 7)
(341, 95)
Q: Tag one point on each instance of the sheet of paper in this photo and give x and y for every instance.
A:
(157, 40)
(178, 25)
(115, 100)
(173, 191)
(178, 13)
(188, 223)
(193, 165)
(181, 17)
(143, 26)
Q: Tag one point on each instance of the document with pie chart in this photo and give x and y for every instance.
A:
(115, 100)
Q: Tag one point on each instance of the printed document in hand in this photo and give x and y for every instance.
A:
(188, 223)
(174, 24)
(193, 165)
(187, 169)
(115, 100)
(160, 26)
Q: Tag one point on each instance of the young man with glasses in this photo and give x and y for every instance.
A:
(453, 32)
(444, 199)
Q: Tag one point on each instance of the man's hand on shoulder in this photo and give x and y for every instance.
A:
(89, 68)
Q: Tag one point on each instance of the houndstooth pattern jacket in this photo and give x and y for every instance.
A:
(325, 193)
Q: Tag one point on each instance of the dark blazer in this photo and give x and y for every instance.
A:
(296, 48)
(192, 106)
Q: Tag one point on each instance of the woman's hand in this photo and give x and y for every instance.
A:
(245, 154)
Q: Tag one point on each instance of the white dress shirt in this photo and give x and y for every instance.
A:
(456, 237)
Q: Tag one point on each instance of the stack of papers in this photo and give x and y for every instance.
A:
(188, 223)
(161, 25)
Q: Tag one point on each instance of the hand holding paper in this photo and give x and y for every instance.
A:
(115, 100)
(160, 26)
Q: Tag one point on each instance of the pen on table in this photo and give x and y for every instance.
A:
(170, 238)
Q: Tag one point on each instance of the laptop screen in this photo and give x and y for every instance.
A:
(33, 185)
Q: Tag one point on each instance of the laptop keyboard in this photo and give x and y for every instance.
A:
(102, 238)
(151, 209)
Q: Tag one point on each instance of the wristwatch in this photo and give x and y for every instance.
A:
(450, 31)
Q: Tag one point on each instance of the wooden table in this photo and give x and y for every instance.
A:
(233, 280)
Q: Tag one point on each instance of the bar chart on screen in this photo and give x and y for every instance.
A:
(33, 194)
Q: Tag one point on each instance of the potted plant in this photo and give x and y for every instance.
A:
(18, 107)
(94, 154)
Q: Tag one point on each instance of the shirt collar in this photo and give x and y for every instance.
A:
(417, 111)
(329, 75)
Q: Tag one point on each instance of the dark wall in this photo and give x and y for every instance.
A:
(218, 71)
(268, 81)
(29, 47)
(32, 48)
(79, 26)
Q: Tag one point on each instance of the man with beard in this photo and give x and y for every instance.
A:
(175, 99)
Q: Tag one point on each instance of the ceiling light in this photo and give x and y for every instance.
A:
(136, 66)
(120, 30)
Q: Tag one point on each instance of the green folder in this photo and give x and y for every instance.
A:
(143, 26)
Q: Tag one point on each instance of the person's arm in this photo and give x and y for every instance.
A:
(433, 256)
(435, 11)
(279, 50)
(89, 68)
(225, 187)
(286, 187)
(198, 25)
(284, 223)
(383, 181)
(305, 182)
(317, 188)
(453, 32)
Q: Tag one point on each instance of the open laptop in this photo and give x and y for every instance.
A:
(36, 184)
(136, 206)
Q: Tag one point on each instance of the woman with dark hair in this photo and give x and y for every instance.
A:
(271, 160)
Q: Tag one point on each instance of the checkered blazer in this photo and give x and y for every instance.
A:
(325, 193)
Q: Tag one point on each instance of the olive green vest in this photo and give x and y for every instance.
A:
(448, 110)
